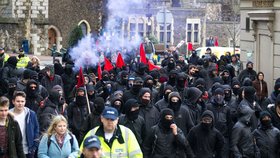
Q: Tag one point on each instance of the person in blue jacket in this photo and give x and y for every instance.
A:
(28, 124)
(58, 142)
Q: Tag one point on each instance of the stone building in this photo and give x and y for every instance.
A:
(260, 37)
(42, 23)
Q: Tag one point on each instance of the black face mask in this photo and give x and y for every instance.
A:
(206, 126)
(166, 96)
(118, 107)
(235, 91)
(266, 124)
(175, 106)
(105, 78)
(166, 123)
(81, 100)
(136, 88)
(219, 99)
(133, 115)
(141, 70)
(172, 81)
(206, 64)
(145, 102)
(227, 96)
(61, 102)
(149, 85)
(91, 97)
(250, 68)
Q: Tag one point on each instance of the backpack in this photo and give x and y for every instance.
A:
(49, 140)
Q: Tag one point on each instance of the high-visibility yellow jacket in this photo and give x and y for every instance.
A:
(124, 145)
(6, 57)
(23, 62)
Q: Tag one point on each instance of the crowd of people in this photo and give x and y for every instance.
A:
(205, 107)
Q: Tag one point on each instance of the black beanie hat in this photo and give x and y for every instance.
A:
(276, 86)
(249, 91)
(26, 74)
(99, 101)
(13, 60)
(166, 111)
(129, 104)
(13, 80)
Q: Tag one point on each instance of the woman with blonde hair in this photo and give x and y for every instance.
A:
(58, 142)
(34, 64)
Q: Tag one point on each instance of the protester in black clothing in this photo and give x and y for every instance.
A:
(271, 99)
(133, 92)
(12, 88)
(163, 103)
(205, 140)
(248, 72)
(267, 137)
(33, 96)
(274, 110)
(192, 99)
(147, 110)
(165, 139)
(133, 121)
(69, 80)
(242, 141)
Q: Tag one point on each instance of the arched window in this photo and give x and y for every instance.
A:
(52, 37)
(132, 28)
(141, 27)
(84, 28)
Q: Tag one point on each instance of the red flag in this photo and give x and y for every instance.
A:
(142, 54)
(190, 46)
(81, 79)
(99, 72)
(107, 64)
(216, 44)
(152, 66)
(120, 62)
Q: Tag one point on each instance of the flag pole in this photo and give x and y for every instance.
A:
(89, 111)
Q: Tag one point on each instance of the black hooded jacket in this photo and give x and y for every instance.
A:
(137, 126)
(148, 112)
(162, 143)
(206, 143)
(181, 114)
(33, 97)
(163, 103)
(242, 143)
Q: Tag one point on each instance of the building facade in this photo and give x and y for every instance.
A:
(260, 37)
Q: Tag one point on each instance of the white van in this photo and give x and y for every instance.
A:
(218, 51)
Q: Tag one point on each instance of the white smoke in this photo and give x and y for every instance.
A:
(87, 51)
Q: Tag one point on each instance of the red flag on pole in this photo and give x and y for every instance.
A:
(108, 65)
(120, 62)
(152, 66)
(190, 46)
(99, 71)
(142, 54)
(216, 44)
(81, 79)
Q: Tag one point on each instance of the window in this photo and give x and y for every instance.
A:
(132, 29)
(4, 2)
(141, 28)
(193, 30)
(84, 28)
(168, 33)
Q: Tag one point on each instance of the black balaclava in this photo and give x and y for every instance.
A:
(131, 115)
(207, 126)
(99, 105)
(165, 95)
(228, 92)
(193, 94)
(181, 80)
(32, 93)
(148, 82)
(172, 78)
(171, 63)
(249, 68)
(235, 87)
(89, 89)
(265, 124)
(164, 123)
(136, 87)
(144, 102)
(54, 97)
(249, 94)
(68, 69)
(12, 61)
(155, 74)
(219, 96)
(247, 82)
(124, 77)
(200, 84)
(117, 106)
(81, 100)
(141, 68)
(12, 86)
(105, 75)
(175, 106)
